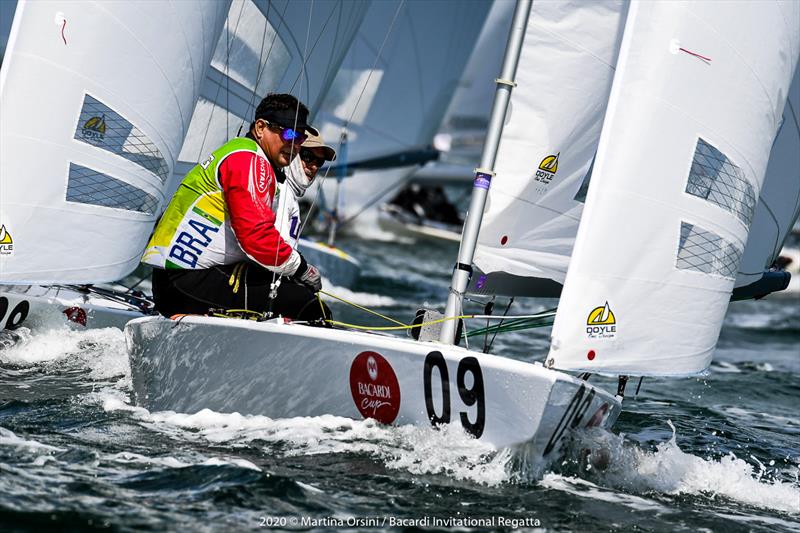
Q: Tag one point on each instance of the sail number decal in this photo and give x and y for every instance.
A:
(470, 395)
(17, 315)
(572, 416)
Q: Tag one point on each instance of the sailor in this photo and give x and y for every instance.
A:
(216, 246)
(300, 175)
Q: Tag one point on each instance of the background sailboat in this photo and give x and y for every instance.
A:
(423, 48)
(89, 170)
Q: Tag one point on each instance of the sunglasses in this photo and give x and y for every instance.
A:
(288, 134)
(308, 156)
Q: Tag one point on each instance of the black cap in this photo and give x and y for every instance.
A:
(288, 118)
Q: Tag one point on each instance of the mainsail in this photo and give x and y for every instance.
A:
(268, 46)
(547, 147)
(87, 146)
(391, 105)
(695, 106)
(779, 203)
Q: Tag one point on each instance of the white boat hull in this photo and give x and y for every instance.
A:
(290, 370)
(34, 305)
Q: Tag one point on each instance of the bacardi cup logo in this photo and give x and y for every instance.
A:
(374, 387)
(601, 323)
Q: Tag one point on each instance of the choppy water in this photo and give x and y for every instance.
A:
(717, 453)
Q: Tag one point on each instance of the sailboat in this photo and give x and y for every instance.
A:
(661, 293)
(647, 285)
(283, 369)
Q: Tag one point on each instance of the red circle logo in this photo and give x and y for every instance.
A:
(374, 387)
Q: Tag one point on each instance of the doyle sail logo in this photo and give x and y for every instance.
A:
(547, 168)
(6, 242)
(601, 323)
(95, 128)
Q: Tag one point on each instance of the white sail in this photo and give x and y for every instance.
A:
(268, 46)
(96, 98)
(392, 105)
(695, 105)
(464, 125)
(547, 146)
(779, 204)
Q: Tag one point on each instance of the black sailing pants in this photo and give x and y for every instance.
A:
(239, 286)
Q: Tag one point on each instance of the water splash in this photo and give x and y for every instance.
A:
(101, 352)
(448, 451)
(365, 299)
(670, 470)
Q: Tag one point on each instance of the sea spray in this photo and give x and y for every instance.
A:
(612, 461)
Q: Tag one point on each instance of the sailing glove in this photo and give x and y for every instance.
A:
(308, 275)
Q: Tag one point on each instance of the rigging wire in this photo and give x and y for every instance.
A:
(505, 313)
(321, 181)
(280, 223)
(219, 86)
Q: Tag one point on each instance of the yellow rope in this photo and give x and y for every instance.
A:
(362, 308)
(249, 314)
(395, 328)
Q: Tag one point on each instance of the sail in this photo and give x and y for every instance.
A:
(547, 147)
(695, 106)
(779, 203)
(465, 123)
(392, 105)
(96, 98)
(268, 46)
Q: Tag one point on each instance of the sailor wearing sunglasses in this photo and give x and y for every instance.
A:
(300, 175)
(217, 247)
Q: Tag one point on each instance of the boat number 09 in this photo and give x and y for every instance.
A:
(17, 315)
(469, 395)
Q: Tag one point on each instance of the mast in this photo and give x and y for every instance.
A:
(483, 174)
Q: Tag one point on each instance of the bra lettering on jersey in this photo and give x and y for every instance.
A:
(189, 245)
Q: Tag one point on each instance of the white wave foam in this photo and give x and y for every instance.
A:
(102, 351)
(725, 367)
(740, 413)
(9, 438)
(586, 489)
(361, 298)
(669, 470)
(417, 450)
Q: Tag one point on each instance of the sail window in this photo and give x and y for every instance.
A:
(705, 251)
(87, 186)
(101, 126)
(715, 178)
